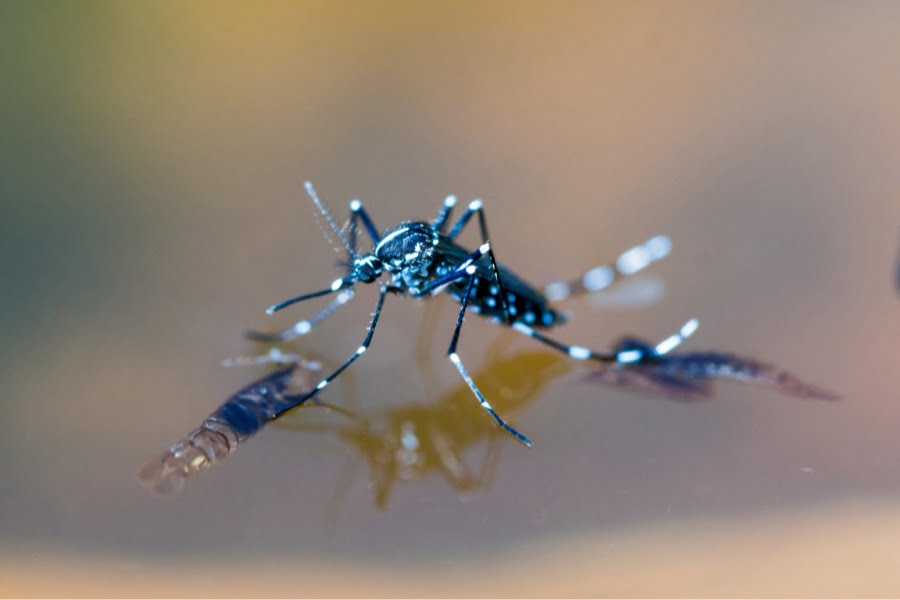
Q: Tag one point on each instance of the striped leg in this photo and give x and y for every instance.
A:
(273, 356)
(460, 273)
(440, 221)
(304, 326)
(477, 207)
(628, 263)
(457, 362)
(357, 211)
(624, 356)
(297, 400)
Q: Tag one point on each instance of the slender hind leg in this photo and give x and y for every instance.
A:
(628, 263)
(624, 357)
(599, 278)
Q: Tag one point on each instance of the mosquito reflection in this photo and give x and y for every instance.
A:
(412, 442)
(235, 421)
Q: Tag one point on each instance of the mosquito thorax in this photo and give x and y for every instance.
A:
(409, 246)
(367, 268)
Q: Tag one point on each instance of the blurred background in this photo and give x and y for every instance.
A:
(152, 206)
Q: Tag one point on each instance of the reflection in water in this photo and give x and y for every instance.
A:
(688, 375)
(235, 421)
(410, 442)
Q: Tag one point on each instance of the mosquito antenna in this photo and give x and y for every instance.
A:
(337, 230)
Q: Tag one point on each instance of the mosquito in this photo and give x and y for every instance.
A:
(422, 259)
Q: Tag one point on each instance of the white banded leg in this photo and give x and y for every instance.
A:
(476, 207)
(440, 221)
(457, 362)
(306, 325)
(674, 340)
(358, 211)
(302, 327)
(460, 273)
(297, 400)
(625, 357)
(599, 278)
(273, 356)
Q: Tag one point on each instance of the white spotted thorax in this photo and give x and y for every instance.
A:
(407, 252)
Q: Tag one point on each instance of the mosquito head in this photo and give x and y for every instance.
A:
(367, 268)
(410, 245)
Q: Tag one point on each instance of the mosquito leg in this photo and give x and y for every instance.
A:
(457, 362)
(463, 220)
(357, 211)
(461, 272)
(625, 356)
(628, 263)
(306, 325)
(440, 221)
(297, 400)
(336, 286)
(476, 207)
(273, 356)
